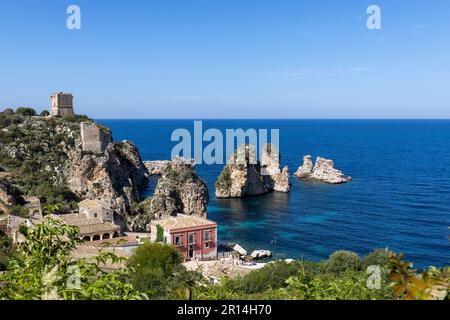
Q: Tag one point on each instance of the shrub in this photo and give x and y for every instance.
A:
(8, 112)
(341, 261)
(159, 233)
(154, 265)
(26, 112)
(378, 257)
(19, 211)
(272, 276)
(43, 265)
(224, 179)
(44, 113)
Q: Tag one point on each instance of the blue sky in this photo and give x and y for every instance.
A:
(229, 58)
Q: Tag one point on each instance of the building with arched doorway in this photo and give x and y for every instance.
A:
(95, 220)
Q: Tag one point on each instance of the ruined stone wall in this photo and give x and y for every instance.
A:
(94, 139)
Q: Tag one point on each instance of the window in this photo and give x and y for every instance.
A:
(206, 244)
(191, 238)
(177, 240)
(207, 236)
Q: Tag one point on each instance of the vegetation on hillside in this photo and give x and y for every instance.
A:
(42, 268)
(34, 150)
(223, 182)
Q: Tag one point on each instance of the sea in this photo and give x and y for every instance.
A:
(399, 197)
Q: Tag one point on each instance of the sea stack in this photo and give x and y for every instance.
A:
(245, 176)
(179, 190)
(323, 171)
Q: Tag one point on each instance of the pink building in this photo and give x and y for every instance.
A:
(195, 237)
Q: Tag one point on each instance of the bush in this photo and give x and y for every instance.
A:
(19, 211)
(341, 261)
(44, 113)
(8, 112)
(154, 265)
(272, 276)
(26, 112)
(43, 266)
(224, 179)
(378, 257)
(159, 233)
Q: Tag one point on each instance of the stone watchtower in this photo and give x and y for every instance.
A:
(62, 104)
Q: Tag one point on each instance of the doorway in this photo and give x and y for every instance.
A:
(191, 252)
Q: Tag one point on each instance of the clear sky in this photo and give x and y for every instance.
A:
(229, 58)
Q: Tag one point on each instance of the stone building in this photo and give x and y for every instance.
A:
(96, 209)
(95, 220)
(94, 138)
(61, 104)
(13, 226)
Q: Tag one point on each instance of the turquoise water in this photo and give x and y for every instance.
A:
(399, 198)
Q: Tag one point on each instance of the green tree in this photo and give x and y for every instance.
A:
(154, 265)
(342, 260)
(43, 268)
(378, 257)
(8, 112)
(44, 113)
(51, 209)
(26, 112)
(159, 233)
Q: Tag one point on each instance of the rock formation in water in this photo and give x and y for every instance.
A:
(270, 165)
(323, 171)
(259, 254)
(179, 190)
(245, 176)
(305, 170)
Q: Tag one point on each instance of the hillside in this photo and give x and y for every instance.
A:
(44, 157)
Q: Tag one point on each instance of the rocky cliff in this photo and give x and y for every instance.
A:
(245, 176)
(47, 158)
(323, 171)
(115, 176)
(179, 190)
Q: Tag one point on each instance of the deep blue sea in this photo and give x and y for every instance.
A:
(399, 197)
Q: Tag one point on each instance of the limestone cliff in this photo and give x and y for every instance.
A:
(47, 157)
(323, 171)
(179, 190)
(245, 176)
(116, 176)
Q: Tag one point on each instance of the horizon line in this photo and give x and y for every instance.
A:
(284, 119)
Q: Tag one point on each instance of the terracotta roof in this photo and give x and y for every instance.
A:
(98, 228)
(79, 219)
(88, 225)
(114, 241)
(182, 221)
